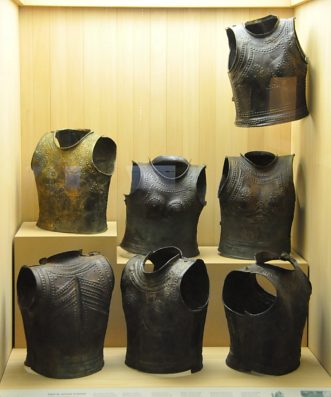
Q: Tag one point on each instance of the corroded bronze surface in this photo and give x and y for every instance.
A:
(257, 200)
(72, 169)
(266, 330)
(163, 208)
(165, 311)
(267, 70)
(65, 304)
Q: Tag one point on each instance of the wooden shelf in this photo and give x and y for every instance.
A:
(210, 255)
(30, 229)
(31, 243)
(215, 373)
(163, 3)
(216, 333)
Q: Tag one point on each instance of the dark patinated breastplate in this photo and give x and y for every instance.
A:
(267, 71)
(266, 330)
(73, 169)
(257, 200)
(65, 305)
(163, 207)
(165, 311)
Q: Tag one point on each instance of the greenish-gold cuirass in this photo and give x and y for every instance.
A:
(73, 169)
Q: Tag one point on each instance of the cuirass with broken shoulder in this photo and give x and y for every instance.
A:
(65, 305)
(266, 329)
(72, 170)
(267, 71)
(165, 313)
(257, 207)
(164, 211)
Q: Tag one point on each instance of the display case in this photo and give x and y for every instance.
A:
(153, 77)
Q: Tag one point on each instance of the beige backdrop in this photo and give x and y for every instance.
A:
(154, 80)
(312, 144)
(10, 160)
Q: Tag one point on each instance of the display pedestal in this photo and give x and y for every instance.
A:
(216, 330)
(32, 243)
(116, 374)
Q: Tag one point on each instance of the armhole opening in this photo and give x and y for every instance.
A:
(36, 168)
(201, 186)
(194, 286)
(104, 155)
(290, 165)
(26, 287)
(135, 178)
(248, 293)
(302, 53)
(225, 175)
(233, 48)
(162, 258)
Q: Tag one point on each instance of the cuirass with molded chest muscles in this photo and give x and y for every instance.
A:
(257, 200)
(267, 70)
(165, 311)
(73, 169)
(65, 305)
(163, 208)
(266, 328)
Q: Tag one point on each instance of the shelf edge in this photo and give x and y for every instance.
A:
(160, 3)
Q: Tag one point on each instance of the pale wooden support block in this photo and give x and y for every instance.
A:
(32, 243)
(216, 330)
(215, 373)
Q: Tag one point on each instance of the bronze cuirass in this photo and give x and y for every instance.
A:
(266, 328)
(73, 169)
(165, 311)
(257, 200)
(65, 305)
(163, 208)
(267, 71)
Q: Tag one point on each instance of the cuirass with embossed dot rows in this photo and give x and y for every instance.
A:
(164, 212)
(165, 312)
(72, 191)
(268, 76)
(65, 305)
(257, 207)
